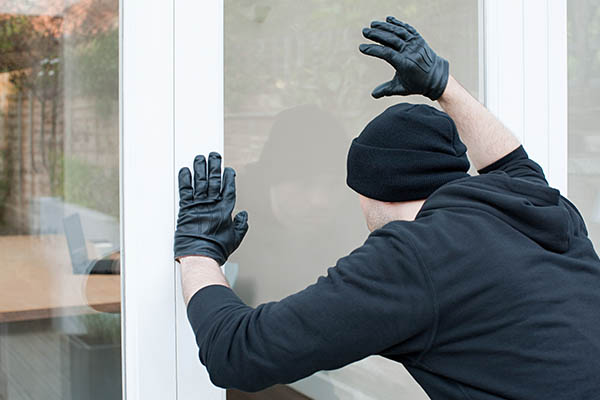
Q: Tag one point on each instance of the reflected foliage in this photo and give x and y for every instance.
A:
(59, 66)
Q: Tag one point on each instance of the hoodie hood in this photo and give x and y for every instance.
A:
(534, 209)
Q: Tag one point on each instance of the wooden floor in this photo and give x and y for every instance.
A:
(31, 366)
(35, 360)
(34, 366)
(277, 392)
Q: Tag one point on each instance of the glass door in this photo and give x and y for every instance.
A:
(60, 286)
(297, 91)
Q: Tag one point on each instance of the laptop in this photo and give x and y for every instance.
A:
(78, 251)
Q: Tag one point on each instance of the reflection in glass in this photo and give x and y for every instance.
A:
(296, 92)
(59, 200)
(584, 111)
(294, 194)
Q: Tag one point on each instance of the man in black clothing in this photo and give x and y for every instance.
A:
(483, 287)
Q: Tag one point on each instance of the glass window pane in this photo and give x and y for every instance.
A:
(297, 91)
(584, 111)
(59, 200)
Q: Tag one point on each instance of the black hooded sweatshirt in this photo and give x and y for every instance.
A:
(493, 292)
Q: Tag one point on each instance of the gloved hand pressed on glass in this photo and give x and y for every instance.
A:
(418, 69)
(204, 224)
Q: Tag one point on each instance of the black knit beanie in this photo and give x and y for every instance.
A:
(406, 153)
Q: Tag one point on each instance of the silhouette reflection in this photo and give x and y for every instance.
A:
(302, 215)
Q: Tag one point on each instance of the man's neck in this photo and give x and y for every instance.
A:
(410, 209)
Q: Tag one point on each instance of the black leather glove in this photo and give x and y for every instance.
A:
(204, 225)
(418, 69)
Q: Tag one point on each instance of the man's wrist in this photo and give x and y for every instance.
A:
(450, 89)
(198, 272)
(197, 261)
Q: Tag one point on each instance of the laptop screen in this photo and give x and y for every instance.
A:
(76, 242)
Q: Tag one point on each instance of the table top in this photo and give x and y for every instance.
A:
(36, 281)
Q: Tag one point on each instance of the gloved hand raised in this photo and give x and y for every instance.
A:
(418, 69)
(204, 225)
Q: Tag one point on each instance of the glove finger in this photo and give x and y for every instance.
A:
(399, 31)
(374, 50)
(240, 224)
(214, 175)
(229, 184)
(186, 191)
(393, 20)
(383, 37)
(200, 183)
(385, 89)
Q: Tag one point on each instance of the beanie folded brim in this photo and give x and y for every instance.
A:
(395, 175)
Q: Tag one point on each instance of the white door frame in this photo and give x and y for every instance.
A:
(172, 109)
(198, 108)
(525, 47)
(147, 197)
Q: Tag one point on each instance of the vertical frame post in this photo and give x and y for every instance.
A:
(526, 77)
(535, 80)
(198, 113)
(147, 186)
(503, 49)
(558, 108)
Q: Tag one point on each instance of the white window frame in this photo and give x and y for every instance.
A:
(147, 187)
(198, 100)
(525, 62)
(172, 109)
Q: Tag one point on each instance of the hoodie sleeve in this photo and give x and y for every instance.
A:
(377, 297)
(517, 164)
